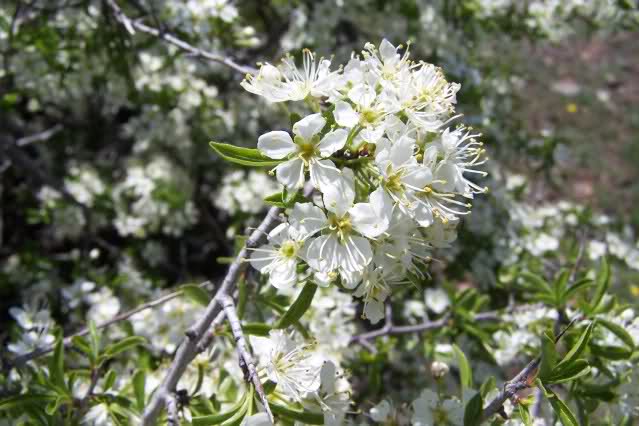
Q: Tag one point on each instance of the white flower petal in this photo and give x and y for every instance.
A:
(338, 198)
(366, 221)
(324, 174)
(291, 173)
(284, 275)
(374, 311)
(309, 126)
(345, 115)
(262, 258)
(363, 95)
(307, 219)
(387, 51)
(333, 141)
(276, 144)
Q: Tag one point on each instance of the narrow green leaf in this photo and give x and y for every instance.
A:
(473, 411)
(524, 415)
(306, 417)
(569, 372)
(109, 380)
(299, 307)
(465, 372)
(94, 339)
(602, 280)
(560, 286)
(539, 283)
(82, 344)
(196, 294)
(256, 329)
(618, 331)
(241, 298)
(561, 409)
(25, 399)
(579, 285)
(221, 417)
(283, 201)
(243, 156)
(615, 353)
(139, 383)
(53, 406)
(56, 364)
(549, 356)
(123, 345)
(488, 385)
(578, 348)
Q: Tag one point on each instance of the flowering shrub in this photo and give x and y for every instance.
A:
(343, 253)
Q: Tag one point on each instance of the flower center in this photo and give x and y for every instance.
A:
(307, 149)
(288, 249)
(341, 226)
(394, 181)
(368, 116)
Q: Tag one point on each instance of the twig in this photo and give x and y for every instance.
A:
(523, 380)
(188, 349)
(390, 329)
(132, 25)
(39, 137)
(172, 411)
(23, 359)
(243, 352)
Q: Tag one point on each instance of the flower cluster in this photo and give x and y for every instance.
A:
(394, 179)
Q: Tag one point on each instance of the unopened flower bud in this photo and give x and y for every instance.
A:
(439, 369)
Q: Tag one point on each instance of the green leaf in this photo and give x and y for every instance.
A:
(488, 385)
(561, 409)
(53, 406)
(109, 380)
(25, 399)
(465, 372)
(579, 285)
(549, 356)
(615, 353)
(306, 417)
(618, 331)
(560, 285)
(241, 298)
(539, 283)
(282, 201)
(602, 280)
(94, 339)
(524, 415)
(82, 344)
(196, 294)
(256, 328)
(222, 417)
(299, 307)
(139, 383)
(473, 411)
(578, 348)
(243, 156)
(569, 372)
(123, 345)
(56, 364)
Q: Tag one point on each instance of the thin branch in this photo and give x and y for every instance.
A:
(172, 411)
(390, 329)
(132, 25)
(523, 380)
(248, 364)
(23, 359)
(188, 349)
(39, 137)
